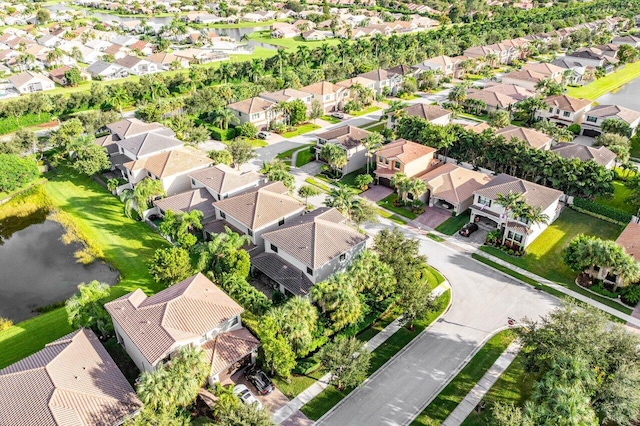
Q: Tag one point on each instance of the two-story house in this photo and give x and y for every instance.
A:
(445, 65)
(594, 57)
(434, 114)
(348, 85)
(517, 232)
(308, 250)
(592, 124)
(259, 210)
(452, 187)
(194, 312)
(403, 156)
(128, 127)
(288, 95)
(600, 154)
(384, 80)
(139, 146)
(331, 96)
(630, 40)
(256, 110)
(534, 138)
(349, 138)
(564, 110)
(532, 74)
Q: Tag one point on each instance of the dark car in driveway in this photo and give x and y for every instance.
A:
(259, 379)
(468, 229)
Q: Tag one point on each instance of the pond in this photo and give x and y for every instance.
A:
(626, 96)
(37, 269)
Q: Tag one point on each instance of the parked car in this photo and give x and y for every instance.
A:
(263, 134)
(259, 379)
(338, 114)
(245, 395)
(468, 229)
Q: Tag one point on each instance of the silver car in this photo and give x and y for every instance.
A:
(245, 395)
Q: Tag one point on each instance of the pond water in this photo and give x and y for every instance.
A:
(626, 96)
(37, 269)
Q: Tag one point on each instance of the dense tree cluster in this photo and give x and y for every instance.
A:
(85, 309)
(16, 171)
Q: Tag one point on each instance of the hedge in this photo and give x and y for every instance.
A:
(222, 135)
(601, 210)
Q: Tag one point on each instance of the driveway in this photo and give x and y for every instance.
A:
(376, 193)
(584, 140)
(482, 299)
(433, 216)
(271, 402)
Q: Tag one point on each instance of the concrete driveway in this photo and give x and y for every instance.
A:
(270, 402)
(481, 302)
(433, 216)
(376, 193)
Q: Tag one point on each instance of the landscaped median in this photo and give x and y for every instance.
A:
(126, 245)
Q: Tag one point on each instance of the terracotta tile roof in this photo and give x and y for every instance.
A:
(543, 68)
(601, 155)
(132, 126)
(347, 136)
(405, 151)
(428, 112)
(282, 272)
(454, 184)
(534, 138)
(526, 75)
(567, 103)
(149, 143)
(196, 199)
(181, 312)
(108, 143)
(72, 381)
(535, 195)
(376, 75)
(355, 80)
(630, 240)
(494, 99)
(224, 179)
(285, 95)
(252, 105)
(170, 163)
(163, 58)
(59, 72)
(322, 88)
(316, 238)
(261, 206)
(511, 90)
(614, 111)
(19, 80)
(228, 348)
(128, 61)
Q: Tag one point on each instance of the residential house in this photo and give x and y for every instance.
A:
(257, 111)
(102, 70)
(284, 30)
(349, 138)
(591, 126)
(128, 127)
(517, 93)
(434, 114)
(259, 210)
(29, 82)
(564, 110)
(185, 202)
(308, 250)
(223, 181)
(630, 40)
(445, 65)
(403, 156)
(384, 79)
(138, 66)
(629, 241)
(58, 75)
(491, 100)
(452, 187)
(72, 380)
(166, 61)
(534, 138)
(194, 312)
(288, 95)
(519, 232)
(529, 79)
(594, 57)
(331, 96)
(314, 35)
(575, 72)
(600, 154)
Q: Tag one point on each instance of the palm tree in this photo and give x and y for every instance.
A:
(303, 55)
(282, 56)
(343, 199)
(372, 142)
(400, 182)
(139, 198)
(256, 69)
(222, 117)
(458, 94)
(415, 188)
(54, 55)
(334, 156)
(117, 98)
(153, 389)
(211, 253)
(190, 221)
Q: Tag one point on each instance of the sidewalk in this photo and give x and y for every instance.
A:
(481, 388)
(292, 407)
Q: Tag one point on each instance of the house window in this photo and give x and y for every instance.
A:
(386, 161)
(551, 109)
(380, 159)
(233, 321)
(309, 271)
(255, 116)
(281, 222)
(223, 215)
(327, 97)
(484, 201)
(250, 232)
(517, 237)
(566, 114)
(591, 119)
(343, 257)
(396, 165)
(193, 182)
(274, 248)
(557, 111)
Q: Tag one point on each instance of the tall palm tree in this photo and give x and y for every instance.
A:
(139, 198)
(282, 56)
(334, 156)
(117, 98)
(458, 94)
(400, 182)
(343, 199)
(372, 142)
(222, 117)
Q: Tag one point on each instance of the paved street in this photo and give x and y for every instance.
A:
(482, 301)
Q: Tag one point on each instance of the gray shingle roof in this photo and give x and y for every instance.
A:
(148, 144)
(282, 272)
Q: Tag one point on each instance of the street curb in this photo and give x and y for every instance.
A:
(394, 357)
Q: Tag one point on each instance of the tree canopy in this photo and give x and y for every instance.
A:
(16, 172)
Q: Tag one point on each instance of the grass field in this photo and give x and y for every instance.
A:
(126, 244)
(606, 84)
(387, 203)
(329, 397)
(301, 129)
(454, 223)
(619, 200)
(304, 157)
(449, 398)
(330, 119)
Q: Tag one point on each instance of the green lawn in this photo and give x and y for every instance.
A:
(434, 277)
(619, 200)
(513, 386)
(635, 146)
(364, 111)
(317, 184)
(301, 129)
(377, 127)
(606, 84)
(454, 223)
(330, 119)
(304, 157)
(10, 124)
(392, 217)
(126, 244)
(387, 203)
(329, 397)
(449, 398)
(292, 43)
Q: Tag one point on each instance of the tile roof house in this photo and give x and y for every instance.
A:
(516, 92)
(447, 65)
(166, 60)
(564, 109)
(403, 156)
(601, 154)
(492, 99)
(284, 30)
(287, 95)
(138, 66)
(106, 70)
(29, 82)
(349, 138)
(308, 250)
(592, 124)
(434, 114)
(519, 232)
(534, 138)
(384, 79)
(631, 40)
(72, 381)
(257, 111)
(259, 210)
(192, 312)
(526, 78)
(146, 144)
(630, 240)
(223, 181)
(331, 96)
(594, 57)
(453, 186)
(185, 202)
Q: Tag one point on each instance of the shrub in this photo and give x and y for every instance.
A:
(222, 135)
(599, 288)
(631, 295)
(599, 209)
(5, 323)
(574, 128)
(248, 130)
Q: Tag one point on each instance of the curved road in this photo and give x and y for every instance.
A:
(482, 301)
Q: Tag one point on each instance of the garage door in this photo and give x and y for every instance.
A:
(590, 133)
